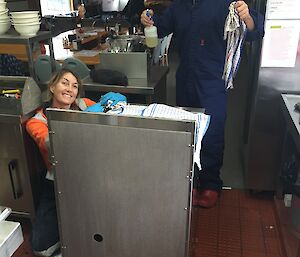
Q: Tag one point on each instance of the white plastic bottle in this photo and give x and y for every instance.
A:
(151, 37)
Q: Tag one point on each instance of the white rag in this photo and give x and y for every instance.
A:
(235, 32)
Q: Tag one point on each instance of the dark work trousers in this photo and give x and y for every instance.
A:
(211, 95)
(45, 227)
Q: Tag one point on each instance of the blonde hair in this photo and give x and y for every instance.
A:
(56, 78)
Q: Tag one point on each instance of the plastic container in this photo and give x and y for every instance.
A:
(151, 37)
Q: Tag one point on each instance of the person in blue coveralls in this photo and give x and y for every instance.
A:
(198, 26)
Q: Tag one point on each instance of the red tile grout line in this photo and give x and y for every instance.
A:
(279, 231)
(272, 218)
(239, 208)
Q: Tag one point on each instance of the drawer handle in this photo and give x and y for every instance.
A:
(15, 179)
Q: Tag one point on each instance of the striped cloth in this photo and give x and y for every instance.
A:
(235, 32)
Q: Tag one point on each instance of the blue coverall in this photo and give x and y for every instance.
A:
(198, 29)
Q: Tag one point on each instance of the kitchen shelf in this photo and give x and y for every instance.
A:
(12, 37)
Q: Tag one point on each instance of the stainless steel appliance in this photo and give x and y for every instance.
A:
(269, 78)
(123, 184)
(134, 65)
(20, 163)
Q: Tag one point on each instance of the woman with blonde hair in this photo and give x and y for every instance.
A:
(63, 93)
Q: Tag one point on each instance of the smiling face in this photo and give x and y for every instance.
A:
(65, 91)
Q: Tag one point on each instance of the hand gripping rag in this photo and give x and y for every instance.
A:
(235, 32)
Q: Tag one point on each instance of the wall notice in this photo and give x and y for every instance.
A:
(283, 9)
(280, 43)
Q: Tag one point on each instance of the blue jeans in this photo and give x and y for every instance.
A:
(45, 226)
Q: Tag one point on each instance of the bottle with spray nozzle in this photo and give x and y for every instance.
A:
(151, 37)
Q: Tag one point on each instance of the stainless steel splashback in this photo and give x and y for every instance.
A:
(133, 64)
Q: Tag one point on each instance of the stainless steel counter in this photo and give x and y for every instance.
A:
(292, 117)
(290, 167)
(290, 160)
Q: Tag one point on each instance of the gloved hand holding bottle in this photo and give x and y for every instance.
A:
(150, 30)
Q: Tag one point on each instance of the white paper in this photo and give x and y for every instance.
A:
(283, 9)
(280, 43)
(169, 112)
(201, 124)
(133, 110)
(55, 7)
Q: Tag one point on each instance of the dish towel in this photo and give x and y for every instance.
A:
(201, 122)
(235, 32)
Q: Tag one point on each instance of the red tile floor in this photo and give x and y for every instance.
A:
(240, 225)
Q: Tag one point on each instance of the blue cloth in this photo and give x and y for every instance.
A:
(198, 30)
(107, 102)
(97, 107)
(114, 98)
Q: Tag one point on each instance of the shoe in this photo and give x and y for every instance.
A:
(195, 197)
(48, 252)
(206, 198)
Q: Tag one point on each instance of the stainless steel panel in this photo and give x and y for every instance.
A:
(15, 187)
(122, 183)
(133, 64)
(292, 117)
(20, 162)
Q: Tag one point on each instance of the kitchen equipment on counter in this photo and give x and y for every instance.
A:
(125, 43)
(132, 64)
(126, 54)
